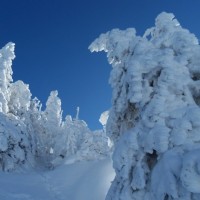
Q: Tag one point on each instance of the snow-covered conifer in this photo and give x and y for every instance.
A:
(30, 135)
(49, 132)
(19, 101)
(53, 111)
(15, 147)
(104, 118)
(71, 136)
(155, 115)
(6, 56)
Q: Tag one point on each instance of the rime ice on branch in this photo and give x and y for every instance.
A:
(155, 115)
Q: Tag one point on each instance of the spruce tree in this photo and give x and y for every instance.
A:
(155, 116)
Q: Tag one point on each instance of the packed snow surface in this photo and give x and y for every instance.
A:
(84, 180)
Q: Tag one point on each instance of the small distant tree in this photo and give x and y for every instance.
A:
(53, 111)
(95, 144)
(155, 116)
(103, 119)
(19, 100)
(77, 113)
(49, 130)
(71, 136)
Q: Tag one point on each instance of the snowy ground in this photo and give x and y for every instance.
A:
(77, 181)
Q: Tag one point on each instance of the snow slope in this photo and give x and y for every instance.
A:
(85, 180)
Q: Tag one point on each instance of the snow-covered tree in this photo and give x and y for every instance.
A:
(71, 136)
(84, 144)
(104, 118)
(31, 136)
(155, 116)
(48, 130)
(53, 111)
(19, 101)
(100, 145)
(6, 56)
(15, 145)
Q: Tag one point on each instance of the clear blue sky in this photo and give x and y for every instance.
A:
(52, 39)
